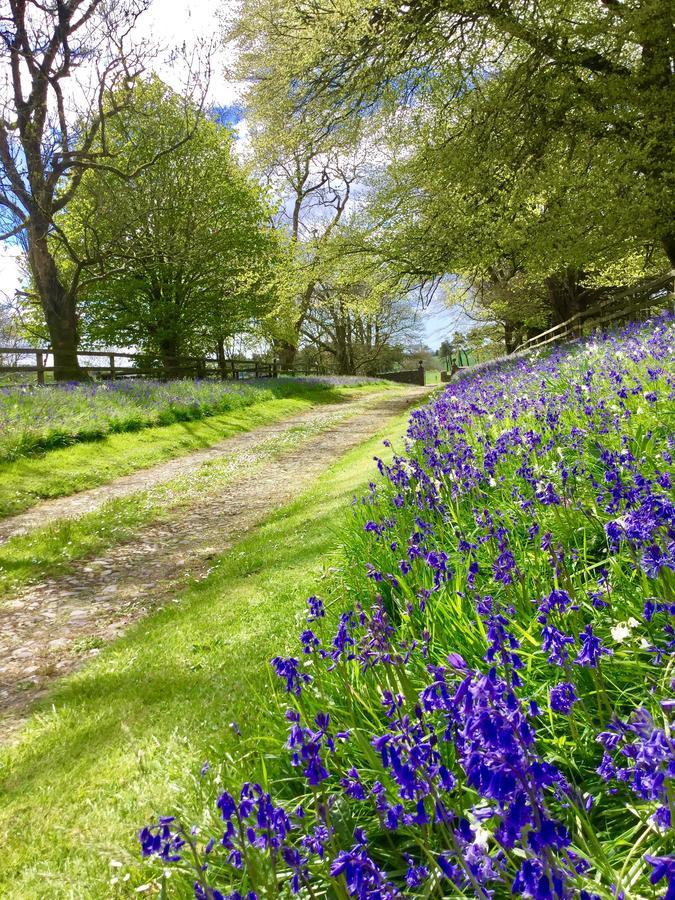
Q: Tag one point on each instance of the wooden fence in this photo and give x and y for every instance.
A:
(108, 364)
(630, 304)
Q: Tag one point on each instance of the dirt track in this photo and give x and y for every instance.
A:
(43, 625)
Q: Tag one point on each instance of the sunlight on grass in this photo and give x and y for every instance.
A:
(26, 481)
(71, 786)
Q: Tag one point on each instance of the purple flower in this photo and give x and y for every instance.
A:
(664, 867)
(563, 698)
(362, 875)
(159, 840)
(316, 608)
(591, 649)
(289, 670)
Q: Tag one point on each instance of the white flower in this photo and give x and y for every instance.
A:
(620, 632)
(482, 835)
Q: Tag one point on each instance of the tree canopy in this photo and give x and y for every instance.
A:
(516, 141)
(184, 250)
(67, 70)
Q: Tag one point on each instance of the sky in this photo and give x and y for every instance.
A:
(171, 23)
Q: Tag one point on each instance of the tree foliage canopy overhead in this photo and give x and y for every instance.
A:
(531, 138)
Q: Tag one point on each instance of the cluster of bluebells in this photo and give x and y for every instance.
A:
(37, 418)
(493, 717)
(641, 755)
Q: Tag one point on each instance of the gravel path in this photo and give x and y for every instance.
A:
(75, 505)
(47, 630)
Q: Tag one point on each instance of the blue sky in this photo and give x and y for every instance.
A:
(440, 322)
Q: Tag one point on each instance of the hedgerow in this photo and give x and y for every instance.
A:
(493, 717)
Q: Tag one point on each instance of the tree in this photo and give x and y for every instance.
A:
(68, 68)
(184, 250)
(529, 144)
(314, 175)
(574, 73)
(357, 329)
(314, 184)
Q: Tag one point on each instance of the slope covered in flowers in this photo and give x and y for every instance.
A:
(35, 418)
(493, 717)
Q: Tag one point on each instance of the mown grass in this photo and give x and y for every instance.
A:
(123, 737)
(26, 481)
(52, 550)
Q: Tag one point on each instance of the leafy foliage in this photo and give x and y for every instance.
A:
(183, 252)
(522, 148)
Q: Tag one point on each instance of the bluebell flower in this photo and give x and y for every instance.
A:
(591, 649)
(563, 698)
(316, 608)
(289, 670)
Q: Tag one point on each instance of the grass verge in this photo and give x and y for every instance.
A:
(51, 551)
(28, 480)
(35, 420)
(141, 718)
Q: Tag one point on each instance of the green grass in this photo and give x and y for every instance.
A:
(124, 737)
(50, 551)
(39, 419)
(58, 473)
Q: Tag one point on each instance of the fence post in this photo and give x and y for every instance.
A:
(112, 366)
(420, 373)
(274, 369)
(40, 365)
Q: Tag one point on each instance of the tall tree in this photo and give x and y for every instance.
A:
(185, 252)
(314, 176)
(67, 68)
(314, 184)
(360, 310)
(572, 86)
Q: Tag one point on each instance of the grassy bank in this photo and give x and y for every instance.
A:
(54, 549)
(28, 480)
(493, 716)
(36, 419)
(159, 702)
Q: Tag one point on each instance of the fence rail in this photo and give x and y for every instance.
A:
(633, 302)
(111, 365)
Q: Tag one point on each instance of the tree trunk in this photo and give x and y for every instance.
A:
(286, 353)
(342, 354)
(222, 362)
(168, 352)
(668, 243)
(565, 298)
(58, 306)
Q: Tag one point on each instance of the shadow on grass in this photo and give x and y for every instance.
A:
(153, 674)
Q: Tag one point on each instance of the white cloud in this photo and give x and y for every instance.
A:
(173, 24)
(11, 271)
